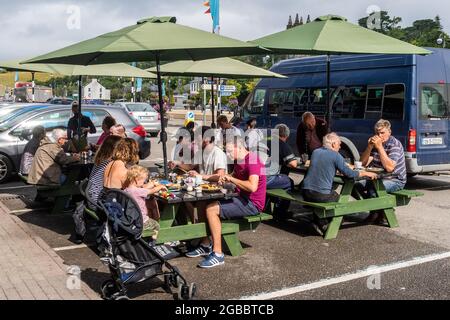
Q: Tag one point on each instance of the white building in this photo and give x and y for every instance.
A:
(95, 90)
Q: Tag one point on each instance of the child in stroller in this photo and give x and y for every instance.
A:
(131, 259)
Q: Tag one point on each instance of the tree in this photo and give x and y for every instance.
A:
(422, 33)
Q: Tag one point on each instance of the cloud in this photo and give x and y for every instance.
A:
(32, 29)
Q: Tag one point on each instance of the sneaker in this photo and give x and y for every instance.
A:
(213, 260)
(200, 251)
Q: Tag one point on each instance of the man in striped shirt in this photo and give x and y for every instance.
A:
(385, 151)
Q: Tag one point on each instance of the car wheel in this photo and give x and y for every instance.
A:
(6, 168)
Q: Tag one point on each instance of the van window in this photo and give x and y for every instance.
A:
(394, 102)
(374, 103)
(349, 103)
(300, 102)
(276, 99)
(257, 102)
(317, 101)
(287, 107)
(433, 101)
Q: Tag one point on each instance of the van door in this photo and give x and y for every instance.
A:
(433, 128)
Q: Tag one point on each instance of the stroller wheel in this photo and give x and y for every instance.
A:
(183, 292)
(108, 289)
(121, 298)
(192, 290)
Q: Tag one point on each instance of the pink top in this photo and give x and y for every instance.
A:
(252, 165)
(102, 138)
(139, 195)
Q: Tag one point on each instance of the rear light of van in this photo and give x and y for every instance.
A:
(140, 131)
(412, 141)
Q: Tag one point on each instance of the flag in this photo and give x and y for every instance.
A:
(16, 78)
(214, 10)
(138, 84)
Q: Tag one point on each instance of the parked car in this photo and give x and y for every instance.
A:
(16, 127)
(145, 114)
(61, 101)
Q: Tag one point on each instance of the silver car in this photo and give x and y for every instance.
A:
(145, 114)
(16, 126)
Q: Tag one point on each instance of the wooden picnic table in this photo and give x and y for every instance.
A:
(175, 226)
(346, 205)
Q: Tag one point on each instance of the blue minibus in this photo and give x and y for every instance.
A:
(410, 91)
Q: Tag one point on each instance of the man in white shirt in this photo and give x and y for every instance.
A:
(210, 164)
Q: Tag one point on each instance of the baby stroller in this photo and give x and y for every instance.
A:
(130, 258)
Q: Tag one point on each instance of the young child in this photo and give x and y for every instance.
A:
(140, 192)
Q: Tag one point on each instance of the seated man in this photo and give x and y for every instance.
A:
(310, 133)
(318, 183)
(278, 172)
(47, 162)
(30, 150)
(210, 164)
(250, 180)
(383, 151)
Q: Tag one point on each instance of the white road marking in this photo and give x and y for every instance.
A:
(348, 277)
(80, 246)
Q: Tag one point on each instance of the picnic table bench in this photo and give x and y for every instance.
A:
(383, 201)
(62, 193)
(174, 225)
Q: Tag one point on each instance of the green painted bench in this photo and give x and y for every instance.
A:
(230, 231)
(60, 194)
(403, 197)
(337, 210)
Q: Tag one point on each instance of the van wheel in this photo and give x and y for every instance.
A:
(6, 169)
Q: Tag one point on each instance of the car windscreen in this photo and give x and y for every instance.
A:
(8, 120)
(140, 107)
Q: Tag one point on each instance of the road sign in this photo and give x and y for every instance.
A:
(222, 88)
(226, 94)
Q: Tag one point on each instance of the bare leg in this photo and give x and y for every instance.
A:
(215, 226)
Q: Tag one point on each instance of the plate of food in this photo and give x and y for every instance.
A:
(173, 187)
(211, 188)
(374, 170)
(166, 195)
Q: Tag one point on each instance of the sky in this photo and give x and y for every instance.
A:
(32, 27)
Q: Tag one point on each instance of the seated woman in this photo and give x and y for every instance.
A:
(125, 154)
(30, 150)
(102, 160)
(94, 188)
(137, 188)
(108, 122)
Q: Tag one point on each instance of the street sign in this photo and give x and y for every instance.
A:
(226, 94)
(222, 88)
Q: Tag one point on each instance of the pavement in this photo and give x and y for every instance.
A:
(31, 270)
(282, 260)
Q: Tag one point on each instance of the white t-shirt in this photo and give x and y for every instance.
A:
(232, 132)
(211, 160)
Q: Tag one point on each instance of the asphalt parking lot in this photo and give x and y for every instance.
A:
(288, 260)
